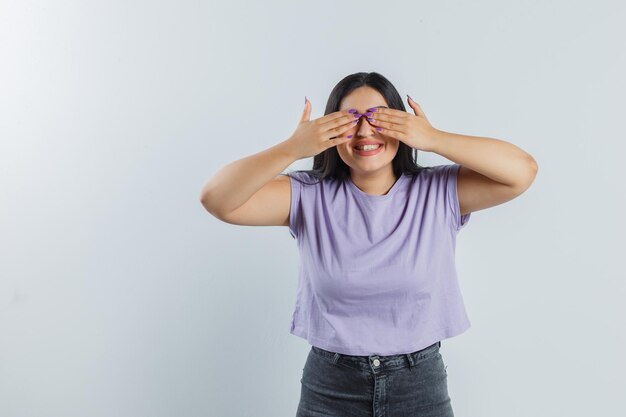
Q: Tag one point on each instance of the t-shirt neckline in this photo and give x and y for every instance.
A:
(372, 197)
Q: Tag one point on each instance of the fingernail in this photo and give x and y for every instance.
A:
(372, 109)
(349, 136)
(410, 97)
(379, 128)
(352, 111)
(304, 99)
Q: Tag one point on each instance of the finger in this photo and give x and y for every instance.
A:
(418, 109)
(306, 113)
(337, 114)
(389, 127)
(388, 112)
(420, 112)
(390, 123)
(396, 134)
(337, 141)
(384, 114)
(343, 119)
(337, 131)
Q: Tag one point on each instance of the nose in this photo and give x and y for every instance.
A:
(364, 126)
(365, 115)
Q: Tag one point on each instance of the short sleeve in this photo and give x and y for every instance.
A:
(452, 196)
(294, 210)
(445, 178)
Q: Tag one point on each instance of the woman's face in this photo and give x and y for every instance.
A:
(362, 99)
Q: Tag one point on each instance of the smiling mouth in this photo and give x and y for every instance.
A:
(368, 151)
(367, 147)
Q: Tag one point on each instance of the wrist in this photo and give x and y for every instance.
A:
(435, 136)
(287, 149)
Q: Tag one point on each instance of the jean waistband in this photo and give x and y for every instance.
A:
(377, 363)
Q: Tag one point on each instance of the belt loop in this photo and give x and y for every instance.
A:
(335, 358)
(409, 357)
(439, 343)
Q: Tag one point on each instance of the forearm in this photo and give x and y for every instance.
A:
(236, 182)
(494, 158)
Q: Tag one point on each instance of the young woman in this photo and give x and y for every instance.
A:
(376, 232)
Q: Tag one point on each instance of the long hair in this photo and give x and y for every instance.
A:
(328, 164)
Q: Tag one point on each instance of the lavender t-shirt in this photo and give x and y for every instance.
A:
(377, 273)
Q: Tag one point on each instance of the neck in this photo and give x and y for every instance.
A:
(374, 182)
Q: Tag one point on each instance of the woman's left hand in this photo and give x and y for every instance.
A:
(414, 130)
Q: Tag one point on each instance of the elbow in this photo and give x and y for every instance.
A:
(204, 198)
(529, 176)
(533, 169)
(207, 203)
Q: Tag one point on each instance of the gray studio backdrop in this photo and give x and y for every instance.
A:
(121, 296)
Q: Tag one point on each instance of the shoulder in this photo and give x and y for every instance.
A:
(426, 174)
(303, 177)
(441, 173)
(443, 169)
(437, 178)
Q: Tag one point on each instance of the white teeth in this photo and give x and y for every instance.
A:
(368, 147)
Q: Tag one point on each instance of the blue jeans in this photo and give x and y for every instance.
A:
(413, 384)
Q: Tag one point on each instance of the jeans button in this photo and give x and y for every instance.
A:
(376, 362)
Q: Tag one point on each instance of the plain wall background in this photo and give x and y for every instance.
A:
(121, 296)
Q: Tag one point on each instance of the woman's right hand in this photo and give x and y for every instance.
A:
(312, 137)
